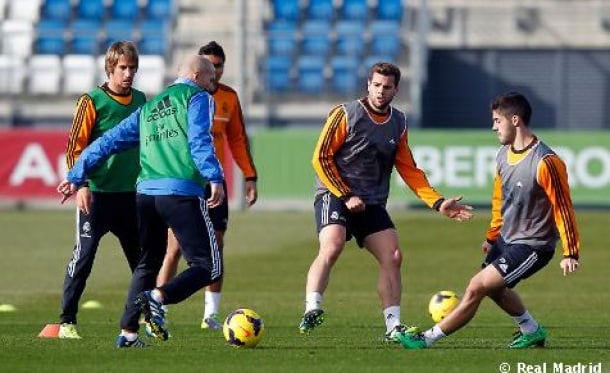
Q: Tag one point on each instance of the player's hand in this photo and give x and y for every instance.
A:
(486, 247)
(251, 192)
(83, 200)
(568, 265)
(455, 210)
(217, 195)
(66, 189)
(355, 204)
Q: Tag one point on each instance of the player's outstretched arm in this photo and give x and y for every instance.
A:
(455, 210)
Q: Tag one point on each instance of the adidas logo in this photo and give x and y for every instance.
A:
(163, 109)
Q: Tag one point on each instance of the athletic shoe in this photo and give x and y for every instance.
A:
(392, 335)
(525, 340)
(165, 309)
(310, 320)
(149, 332)
(412, 340)
(153, 314)
(211, 322)
(122, 342)
(68, 331)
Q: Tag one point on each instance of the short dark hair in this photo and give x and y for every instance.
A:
(213, 48)
(387, 69)
(513, 103)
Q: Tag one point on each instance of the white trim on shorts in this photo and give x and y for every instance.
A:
(522, 268)
(325, 209)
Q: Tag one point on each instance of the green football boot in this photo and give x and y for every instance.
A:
(392, 335)
(412, 341)
(537, 339)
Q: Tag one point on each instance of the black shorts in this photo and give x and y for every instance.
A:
(219, 215)
(517, 261)
(332, 210)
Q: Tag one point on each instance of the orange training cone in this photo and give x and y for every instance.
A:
(49, 331)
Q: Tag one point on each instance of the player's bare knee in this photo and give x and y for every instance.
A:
(475, 290)
(330, 255)
(397, 257)
(391, 259)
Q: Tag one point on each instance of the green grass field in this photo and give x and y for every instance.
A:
(267, 257)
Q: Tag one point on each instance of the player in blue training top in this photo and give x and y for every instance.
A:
(177, 161)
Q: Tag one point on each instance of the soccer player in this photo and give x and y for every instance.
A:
(177, 161)
(107, 202)
(531, 211)
(360, 144)
(228, 127)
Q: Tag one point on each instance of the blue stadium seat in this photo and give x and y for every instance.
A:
(50, 37)
(287, 10)
(154, 45)
(155, 27)
(311, 78)
(385, 45)
(385, 38)
(281, 38)
(155, 36)
(316, 44)
(85, 45)
(369, 61)
(373, 59)
(91, 9)
(277, 73)
(117, 30)
(57, 9)
(350, 38)
(316, 37)
(125, 9)
(390, 10)
(355, 10)
(345, 78)
(85, 36)
(161, 9)
(320, 9)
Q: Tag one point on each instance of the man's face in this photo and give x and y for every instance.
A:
(382, 90)
(504, 127)
(218, 63)
(121, 78)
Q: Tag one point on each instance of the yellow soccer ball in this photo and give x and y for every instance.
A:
(243, 328)
(442, 303)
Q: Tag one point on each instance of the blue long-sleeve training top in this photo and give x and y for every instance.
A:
(126, 135)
